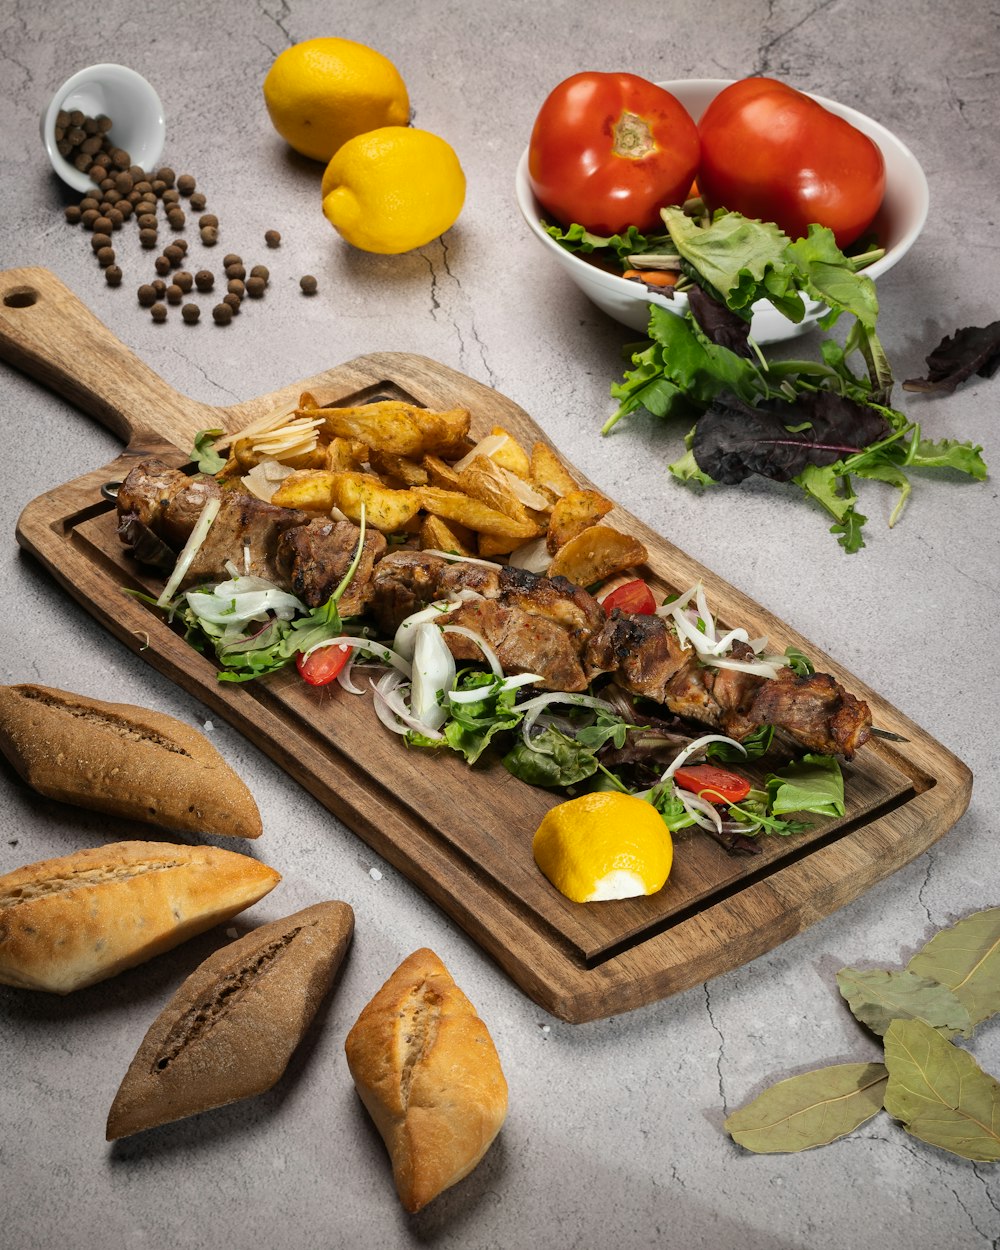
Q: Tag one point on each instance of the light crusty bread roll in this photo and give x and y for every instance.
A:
(123, 760)
(230, 1030)
(69, 922)
(426, 1069)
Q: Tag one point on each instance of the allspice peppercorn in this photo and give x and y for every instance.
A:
(191, 313)
(231, 258)
(100, 240)
(186, 184)
(147, 295)
(147, 237)
(260, 271)
(106, 256)
(174, 294)
(198, 201)
(177, 218)
(223, 314)
(204, 279)
(113, 275)
(235, 287)
(158, 312)
(184, 280)
(208, 219)
(272, 238)
(162, 265)
(166, 175)
(233, 300)
(73, 213)
(174, 254)
(209, 236)
(308, 284)
(159, 287)
(255, 287)
(235, 271)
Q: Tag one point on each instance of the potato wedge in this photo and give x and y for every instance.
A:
(573, 513)
(389, 426)
(595, 554)
(440, 474)
(547, 470)
(399, 471)
(308, 489)
(445, 433)
(511, 455)
(386, 509)
(437, 534)
(489, 546)
(343, 456)
(485, 481)
(473, 513)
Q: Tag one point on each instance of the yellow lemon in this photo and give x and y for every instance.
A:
(393, 189)
(604, 846)
(322, 92)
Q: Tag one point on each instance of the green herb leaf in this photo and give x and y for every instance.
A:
(809, 1110)
(754, 746)
(940, 1093)
(966, 958)
(204, 454)
(812, 784)
(576, 238)
(799, 662)
(553, 759)
(877, 997)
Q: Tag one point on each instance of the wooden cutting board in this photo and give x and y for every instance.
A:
(464, 835)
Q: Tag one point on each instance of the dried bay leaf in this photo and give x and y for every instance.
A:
(966, 958)
(940, 1093)
(878, 997)
(812, 1109)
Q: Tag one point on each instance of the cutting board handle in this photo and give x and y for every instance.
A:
(54, 338)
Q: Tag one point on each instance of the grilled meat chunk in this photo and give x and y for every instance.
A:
(403, 582)
(643, 654)
(312, 560)
(523, 642)
(163, 500)
(246, 532)
(816, 711)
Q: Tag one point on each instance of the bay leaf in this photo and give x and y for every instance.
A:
(940, 1093)
(966, 958)
(878, 997)
(809, 1110)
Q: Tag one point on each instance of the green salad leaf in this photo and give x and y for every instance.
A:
(813, 784)
(204, 454)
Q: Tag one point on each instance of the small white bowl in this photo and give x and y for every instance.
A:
(899, 222)
(119, 93)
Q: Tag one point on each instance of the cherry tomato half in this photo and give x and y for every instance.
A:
(718, 785)
(771, 152)
(635, 597)
(610, 150)
(321, 666)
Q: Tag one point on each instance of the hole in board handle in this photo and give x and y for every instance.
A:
(21, 297)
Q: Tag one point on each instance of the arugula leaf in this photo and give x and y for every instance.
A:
(799, 662)
(204, 454)
(754, 745)
(812, 784)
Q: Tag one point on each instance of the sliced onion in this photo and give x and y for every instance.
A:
(344, 676)
(488, 652)
(692, 747)
(760, 668)
(451, 555)
(698, 808)
(533, 556)
(433, 676)
(533, 708)
(485, 447)
(405, 638)
(230, 604)
(478, 692)
(393, 712)
(668, 609)
(364, 645)
(190, 549)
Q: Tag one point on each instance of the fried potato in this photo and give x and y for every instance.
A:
(386, 509)
(511, 455)
(489, 546)
(344, 455)
(437, 534)
(387, 426)
(595, 554)
(398, 470)
(440, 474)
(308, 489)
(485, 481)
(445, 433)
(473, 513)
(573, 513)
(547, 470)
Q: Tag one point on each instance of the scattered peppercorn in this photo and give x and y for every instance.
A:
(89, 217)
(191, 313)
(162, 264)
(158, 312)
(204, 279)
(236, 287)
(255, 287)
(233, 301)
(186, 184)
(174, 294)
(147, 295)
(210, 236)
(73, 213)
(184, 280)
(308, 284)
(181, 244)
(208, 219)
(235, 271)
(231, 258)
(113, 275)
(147, 238)
(260, 271)
(198, 201)
(272, 238)
(147, 221)
(166, 175)
(174, 254)
(177, 218)
(171, 196)
(159, 287)
(223, 314)
(100, 240)
(106, 256)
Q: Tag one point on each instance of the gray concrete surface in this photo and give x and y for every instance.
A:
(615, 1129)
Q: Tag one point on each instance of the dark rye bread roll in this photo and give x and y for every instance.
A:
(230, 1030)
(69, 922)
(124, 761)
(426, 1069)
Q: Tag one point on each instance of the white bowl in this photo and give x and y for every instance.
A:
(899, 222)
(119, 93)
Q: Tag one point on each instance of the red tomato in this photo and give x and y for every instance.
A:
(718, 785)
(322, 665)
(770, 152)
(610, 150)
(633, 597)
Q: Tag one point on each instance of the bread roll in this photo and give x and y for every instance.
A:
(230, 1030)
(426, 1069)
(69, 922)
(123, 760)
